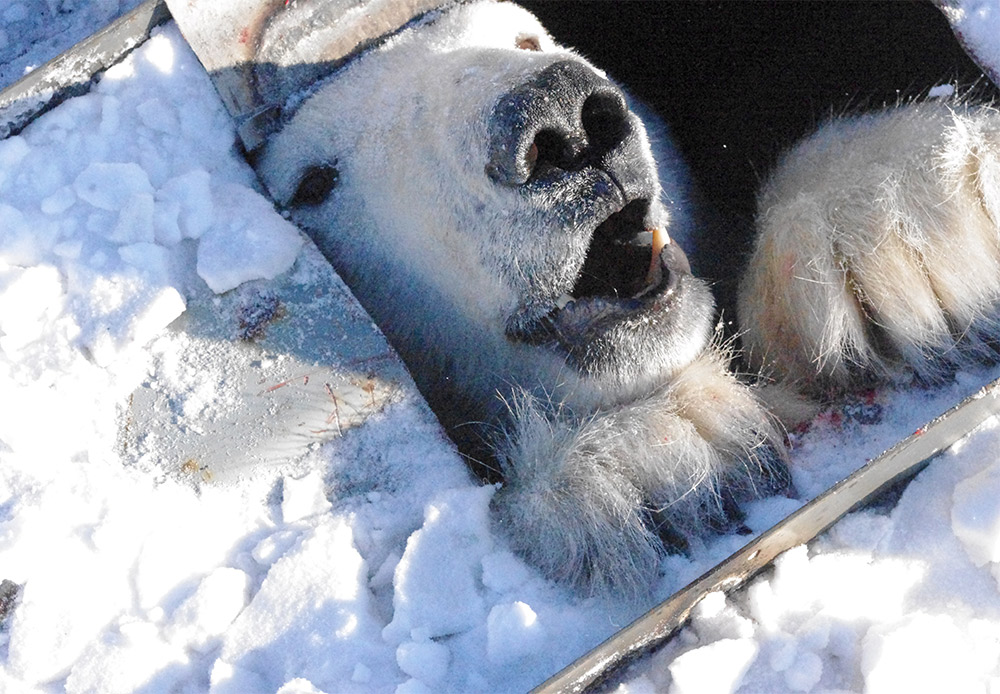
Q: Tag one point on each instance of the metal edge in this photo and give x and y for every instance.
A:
(656, 627)
(72, 71)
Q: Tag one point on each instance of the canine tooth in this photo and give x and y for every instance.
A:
(660, 240)
(563, 300)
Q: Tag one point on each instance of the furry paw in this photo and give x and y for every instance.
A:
(596, 502)
(878, 245)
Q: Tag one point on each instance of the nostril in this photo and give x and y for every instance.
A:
(605, 120)
(556, 149)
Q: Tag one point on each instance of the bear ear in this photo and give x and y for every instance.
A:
(528, 42)
(315, 185)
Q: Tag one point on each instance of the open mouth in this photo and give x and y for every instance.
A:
(620, 257)
(630, 270)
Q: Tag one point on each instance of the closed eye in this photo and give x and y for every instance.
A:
(315, 185)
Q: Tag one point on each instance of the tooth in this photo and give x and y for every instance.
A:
(563, 300)
(660, 240)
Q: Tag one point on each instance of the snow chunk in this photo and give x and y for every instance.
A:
(975, 515)
(437, 580)
(503, 571)
(311, 618)
(160, 53)
(203, 617)
(424, 660)
(303, 497)
(513, 632)
(59, 201)
(977, 24)
(109, 186)
(927, 653)
(190, 197)
(805, 672)
(717, 668)
(157, 115)
(150, 259)
(362, 674)
(153, 312)
(12, 151)
(30, 299)
(61, 614)
(299, 686)
(253, 242)
(413, 686)
(23, 242)
(135, 220)
(122, 663)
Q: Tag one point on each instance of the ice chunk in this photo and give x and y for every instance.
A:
(250, 241)
(299, 685)
(925, 653)
(135, 220)
(717, 668)
(437, 586)
(975, 515)
(303, 497)
(311, 618)
(513, 632)
(124, 662)
(203, 617)
(12, 151)
(190, 194)
(424, 660)
(109, 186)
(30, 299)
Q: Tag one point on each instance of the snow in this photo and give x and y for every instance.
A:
(717, 668)
(131, 235)
(977, 24)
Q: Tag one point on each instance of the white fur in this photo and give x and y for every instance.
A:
(886, 220)
(878, 244)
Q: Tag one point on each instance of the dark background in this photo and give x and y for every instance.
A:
(739, 81)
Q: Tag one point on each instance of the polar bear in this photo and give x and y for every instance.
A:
(517, 231)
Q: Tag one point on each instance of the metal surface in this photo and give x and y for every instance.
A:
(659, 624)
(70, 73)
(257, 376)
(260, 53)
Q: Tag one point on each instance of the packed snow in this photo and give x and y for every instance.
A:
(365, 559)
(977, 24)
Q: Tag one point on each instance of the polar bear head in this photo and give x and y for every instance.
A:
(494, 203)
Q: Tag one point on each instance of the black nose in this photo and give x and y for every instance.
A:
(563, 118)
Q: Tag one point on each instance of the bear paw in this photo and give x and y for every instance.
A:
(878, 245)
(596, 501)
